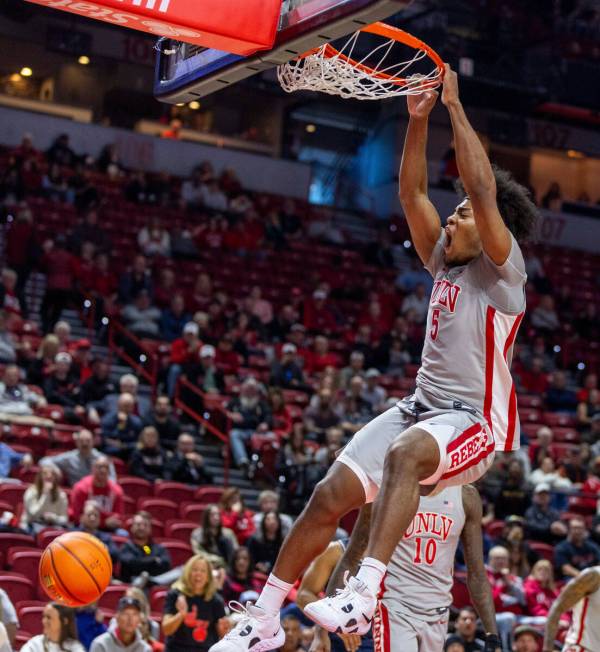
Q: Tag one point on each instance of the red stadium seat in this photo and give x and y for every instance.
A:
(460, 592)
(568, 435)
(544, 550)
(30, 618)
(8, 540)
(12, 493)
(135, 488)
(530, 414)
(553, 419)
(120, 467)
(175, 491)
(129, 505)
(494, 529)
(160, 509)
(192, 511)
(17, 586)
(45, 536)
(25, 561)
(112, 595)
(157, 598)
(207, 495)
(180, 530)
(180, 552)
(21, 638)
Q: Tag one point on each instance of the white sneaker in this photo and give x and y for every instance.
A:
(349, 611)
(257, 631)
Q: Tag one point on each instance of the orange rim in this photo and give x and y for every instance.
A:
(394, 34)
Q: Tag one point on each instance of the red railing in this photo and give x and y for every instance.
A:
(148, 368)
(210, 414)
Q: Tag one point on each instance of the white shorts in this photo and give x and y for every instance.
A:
(465, 443)
(395, 631)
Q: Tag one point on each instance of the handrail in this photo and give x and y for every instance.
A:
(152, 375)
(184, 407)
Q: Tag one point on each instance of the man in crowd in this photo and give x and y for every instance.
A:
(542, 522)
(249, 413)
(465, 629)
(187, 465)
(120, 429)
(99, 385)
(507, 589)
(286, 372)
(77, 464)
(124, 632)
(105, 493)
(15, 397)
(184, 351)
(90, 523)
(576, 553)
(141, 554)
(526, 639)
(128, 384)
(166, 424)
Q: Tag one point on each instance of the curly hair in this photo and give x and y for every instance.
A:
(515, 204)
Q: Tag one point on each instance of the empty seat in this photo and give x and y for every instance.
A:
(544, 550)
(17, 586)
(8, 540)
(30, 619)
(175, 491)
(135, 488)
(208, 495)
(112, 595)
(159, 508)
(192, 511)
(180, 530)
(157, 598)
(179, 550)
(25, 561)
(12, 493)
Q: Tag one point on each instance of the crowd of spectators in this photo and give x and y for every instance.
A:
(293, 379)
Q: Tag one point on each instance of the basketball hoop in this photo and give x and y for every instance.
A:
(335, 72)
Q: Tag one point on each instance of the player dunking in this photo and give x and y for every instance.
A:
(464, 406)
(582, 595)
(414, 600)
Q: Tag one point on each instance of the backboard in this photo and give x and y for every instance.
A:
(186, 72)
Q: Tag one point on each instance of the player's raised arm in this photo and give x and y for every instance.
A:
(584, 584)
(477, 580)
(476, 175)
(423, 220)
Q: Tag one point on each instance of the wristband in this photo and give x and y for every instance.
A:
(492, 643)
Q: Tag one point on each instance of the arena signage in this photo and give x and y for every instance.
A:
(254, 30)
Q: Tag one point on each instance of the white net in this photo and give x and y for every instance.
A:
(335, 72)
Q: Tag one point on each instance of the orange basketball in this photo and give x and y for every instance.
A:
(75, 569)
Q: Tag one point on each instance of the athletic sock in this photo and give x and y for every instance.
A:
(371, 572)
(274, 593)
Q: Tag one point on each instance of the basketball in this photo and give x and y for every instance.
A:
(75, 569)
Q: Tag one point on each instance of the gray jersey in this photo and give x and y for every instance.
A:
(584, 633)
(474, 313)
(419, 575)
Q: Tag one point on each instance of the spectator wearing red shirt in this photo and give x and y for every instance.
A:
(534, 380)
(254, 231)
(60, 269)
(211, 235)
(101, 490)
(20, 248)
(228, 361)
(540, 589)
(201, 295)
(235, 516)
(321, 357)
(85, 267)
(590, 383)
(184, 351)
(166, 288)
(317, 314)
(591, 487)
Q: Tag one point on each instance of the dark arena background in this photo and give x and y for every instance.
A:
(211, 281)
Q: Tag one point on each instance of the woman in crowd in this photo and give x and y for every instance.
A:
(540, 589)
(43, 365)
(211, 538)
(240, 577)
(235, 516)
(265, 544)
(521, 556)
(280, 412)
(148, 460)
(194, 616)
(59, 631)
(44, 502)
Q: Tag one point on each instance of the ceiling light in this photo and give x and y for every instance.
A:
(84, 60)
(194, 105)
(26, 72)
(15, 77)
(311, 129)
(180, 104)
